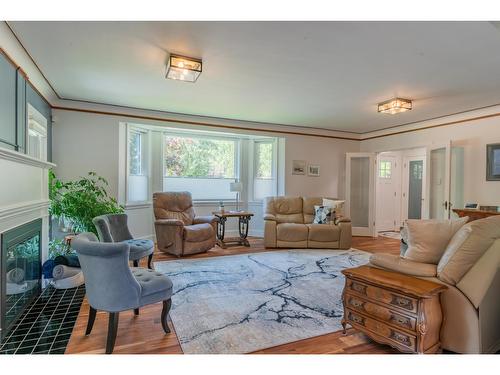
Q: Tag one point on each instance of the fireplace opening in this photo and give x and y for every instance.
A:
(20, 271)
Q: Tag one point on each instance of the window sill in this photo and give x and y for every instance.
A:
(138, 205)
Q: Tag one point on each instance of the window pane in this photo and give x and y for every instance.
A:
(135, 153)
(385, 169)
(264, 154)
(199, 157)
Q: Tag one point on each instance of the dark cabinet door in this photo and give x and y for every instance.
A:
(7, 104)
(21, 112)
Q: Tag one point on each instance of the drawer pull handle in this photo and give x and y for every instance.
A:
(403, 339)
(401, 320)
(402, 302)
(355, 302)
(359, 288)
(356, 319)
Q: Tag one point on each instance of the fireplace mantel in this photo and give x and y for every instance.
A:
(24, 196)
(18, 157)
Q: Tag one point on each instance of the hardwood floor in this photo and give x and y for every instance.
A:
(143, 334)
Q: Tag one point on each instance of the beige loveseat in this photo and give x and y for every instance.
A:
(288, 223)
(470, 268)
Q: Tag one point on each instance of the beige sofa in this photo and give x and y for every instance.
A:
(288, 223)
(470, 269)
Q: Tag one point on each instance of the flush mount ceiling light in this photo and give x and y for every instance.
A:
(183, 68)
(396, 105)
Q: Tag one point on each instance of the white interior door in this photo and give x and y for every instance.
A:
(360, 192)
(438, 183)
(387, 190)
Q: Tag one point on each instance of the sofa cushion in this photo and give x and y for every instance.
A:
(398, 264)
(308, 208)
(291, 232)
(466, 247)
(323, 232)
(286, 209)
(151, 281)
(427, 239)
(198, 232)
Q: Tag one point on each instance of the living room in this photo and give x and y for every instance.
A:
(234, 185)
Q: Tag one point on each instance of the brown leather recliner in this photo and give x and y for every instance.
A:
(178, 230)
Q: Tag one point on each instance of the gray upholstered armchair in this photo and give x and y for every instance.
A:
(114, 228)
(113, 286)
(178, 230)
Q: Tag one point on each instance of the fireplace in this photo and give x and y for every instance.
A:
(20, 271)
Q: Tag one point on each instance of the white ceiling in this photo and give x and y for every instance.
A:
(318, 74)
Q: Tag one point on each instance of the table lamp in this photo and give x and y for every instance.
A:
(238, 188)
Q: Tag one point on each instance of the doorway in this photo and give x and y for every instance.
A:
(400, 189)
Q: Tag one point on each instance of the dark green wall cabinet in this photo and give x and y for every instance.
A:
(8, 137)
(15, 95)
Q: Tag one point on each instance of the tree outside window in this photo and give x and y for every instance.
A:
(264, 159)
(199, 157)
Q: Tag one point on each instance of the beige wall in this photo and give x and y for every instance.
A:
(473, 136)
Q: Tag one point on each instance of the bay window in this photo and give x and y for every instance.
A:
(205, 163)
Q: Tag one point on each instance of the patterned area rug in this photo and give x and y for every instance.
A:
(243, 303)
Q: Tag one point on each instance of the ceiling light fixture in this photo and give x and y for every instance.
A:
(183, 68)
(396, 105)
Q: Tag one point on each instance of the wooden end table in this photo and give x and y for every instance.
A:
(394, 309)
(243, 223)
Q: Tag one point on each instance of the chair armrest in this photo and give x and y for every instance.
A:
(408, 267)
(170, 222)
(209, 219)
(269, 217)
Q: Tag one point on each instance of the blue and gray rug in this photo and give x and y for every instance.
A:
(243, 303)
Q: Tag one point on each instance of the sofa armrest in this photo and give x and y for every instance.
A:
(269, 217)
(342, 219)
(408, 267)
(170, 222)
(209, 219)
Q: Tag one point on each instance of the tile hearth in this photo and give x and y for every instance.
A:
(46, 325)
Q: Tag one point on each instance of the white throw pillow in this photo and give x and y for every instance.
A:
(336, 205)
(427, 239)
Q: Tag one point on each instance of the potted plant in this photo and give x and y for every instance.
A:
(78, 202)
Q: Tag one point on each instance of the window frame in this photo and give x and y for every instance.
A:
(254, 166)
(256, 159)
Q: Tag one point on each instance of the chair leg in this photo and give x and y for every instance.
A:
(164, 314)
(136, 311)
(150, 258)
(135, 263)
(112, 329)
(90, 323)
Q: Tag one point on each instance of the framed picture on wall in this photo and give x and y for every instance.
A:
(313, 171)
(299, 167)
(493, 162)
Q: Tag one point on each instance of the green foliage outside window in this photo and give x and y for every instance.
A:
(264, 152)
(81, 200)
(199, 157)
(135, 153)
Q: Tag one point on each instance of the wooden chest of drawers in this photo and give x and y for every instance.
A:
(395, 309)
